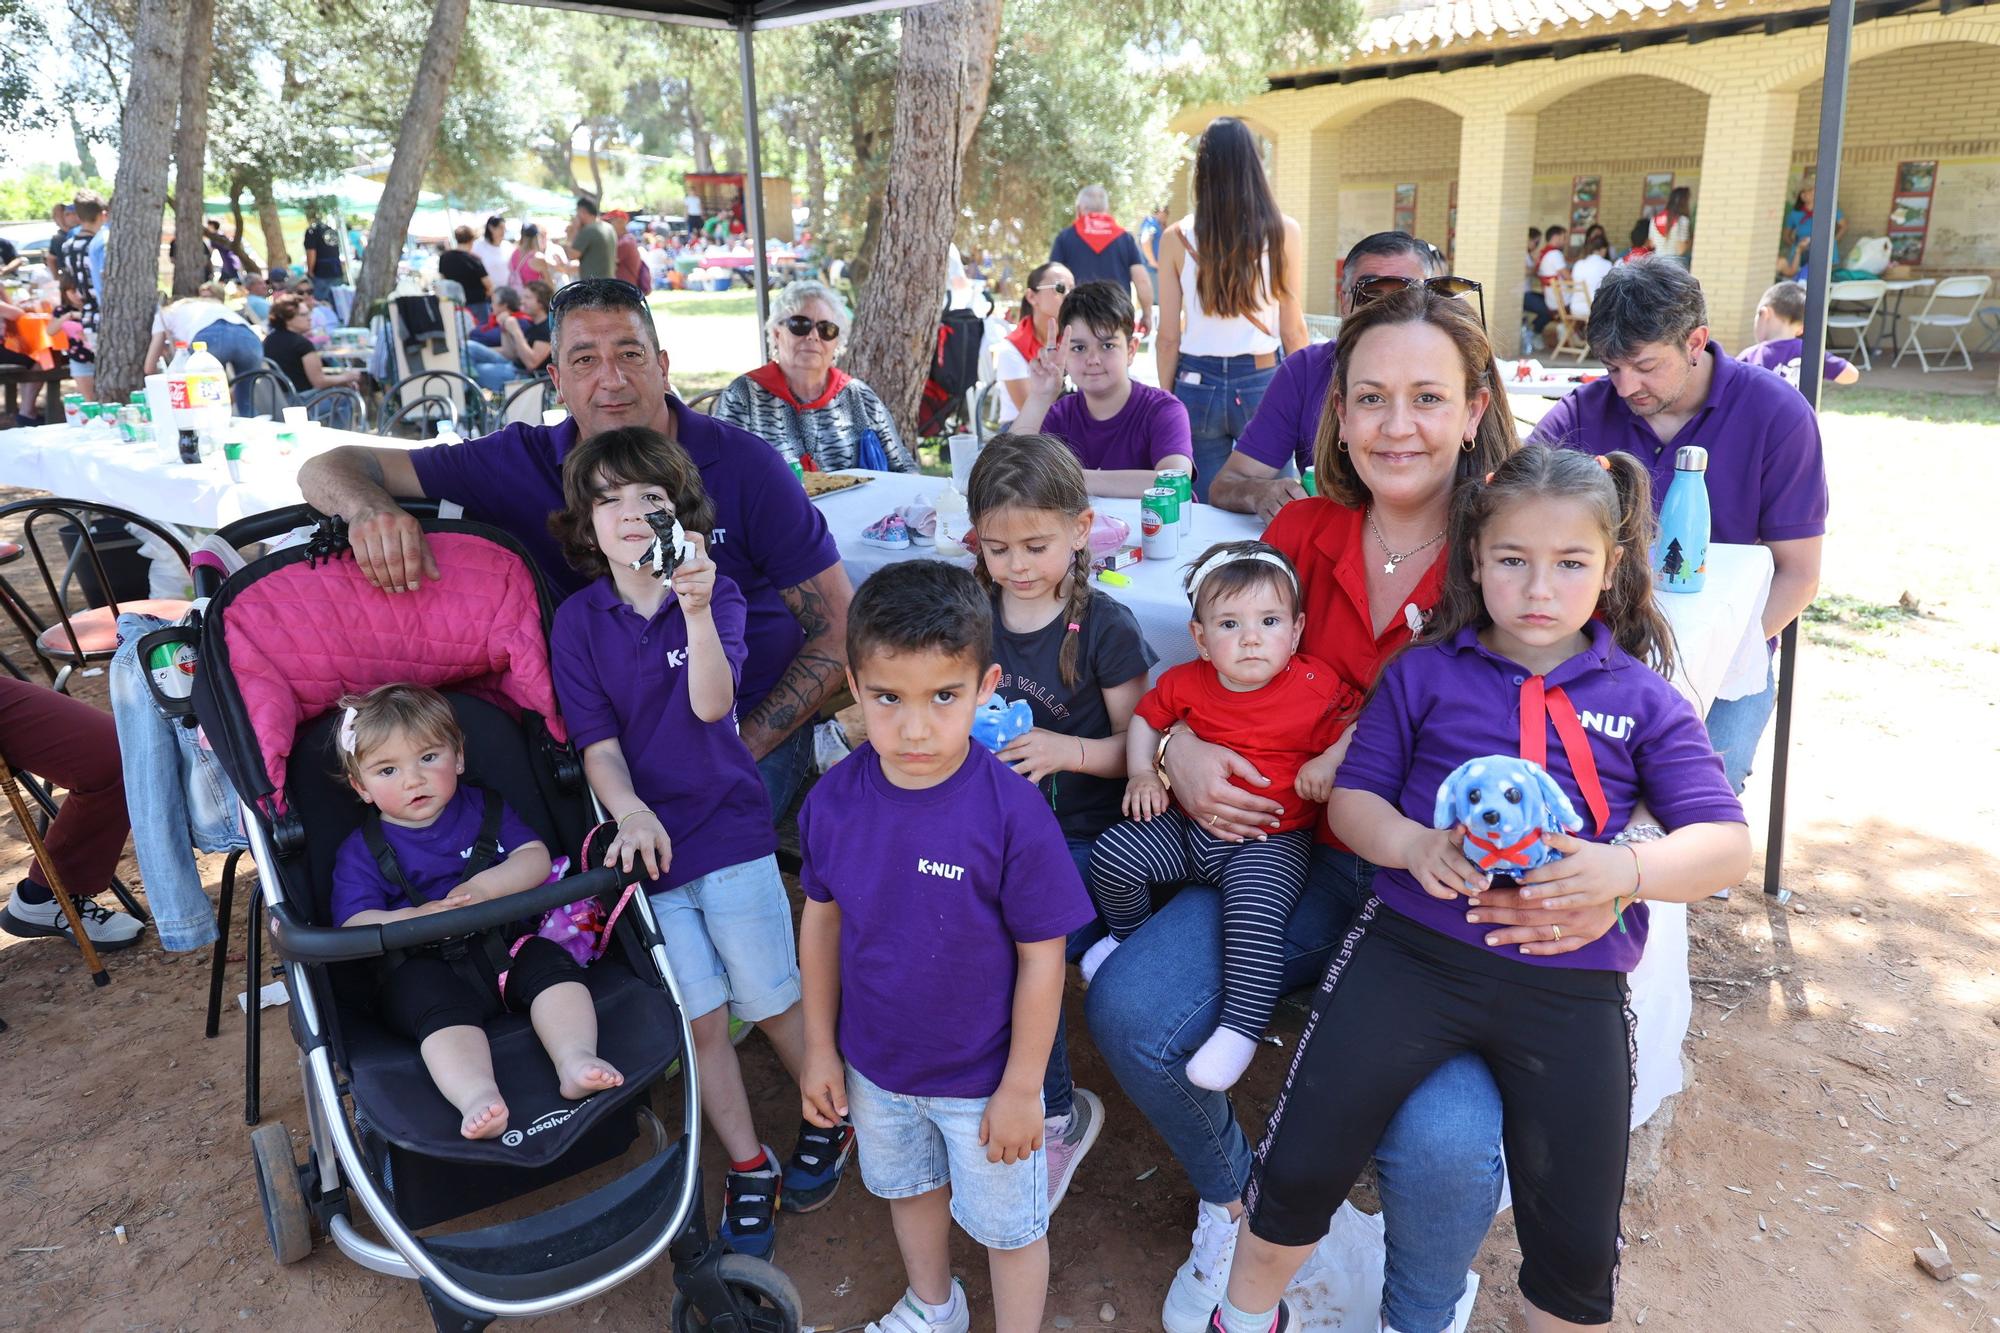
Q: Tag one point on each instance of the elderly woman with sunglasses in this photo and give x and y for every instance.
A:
(811, 411)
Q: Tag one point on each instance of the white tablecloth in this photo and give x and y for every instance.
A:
(147, 479)
(1720, 654)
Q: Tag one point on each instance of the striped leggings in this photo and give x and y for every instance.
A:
(1260, 882)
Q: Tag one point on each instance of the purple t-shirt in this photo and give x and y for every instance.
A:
(768, 535)
(935, 888)
(1287, 422)
(1766, 474)
(618, 675)
(1436, 707)
(1153, 425)
(1780, 353)
(432, 859)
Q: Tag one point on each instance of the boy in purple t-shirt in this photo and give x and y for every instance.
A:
(647, 661)
(939, 891)
(403, 752)
(1781, 320)
(1123, 433)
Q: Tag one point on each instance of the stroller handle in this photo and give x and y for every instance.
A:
(298, 942)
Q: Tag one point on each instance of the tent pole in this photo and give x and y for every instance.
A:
(753, 194)
(1819, 274)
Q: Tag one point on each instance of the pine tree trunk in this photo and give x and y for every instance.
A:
(191, 148)
(815, 183)
(414, 147)
(132, 250)
(942, 75)
(273, 226)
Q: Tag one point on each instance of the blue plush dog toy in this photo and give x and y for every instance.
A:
(997, 723)
(1507, 806)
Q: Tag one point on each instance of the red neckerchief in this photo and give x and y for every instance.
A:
(1097, 230)
(1538, 701)
(1514, 854)
(1543, 253)
(771, 379)
(1026, 341)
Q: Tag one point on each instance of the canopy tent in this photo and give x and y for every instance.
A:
(349, 191)
(744, 17)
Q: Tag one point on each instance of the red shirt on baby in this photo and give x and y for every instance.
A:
(1277, 727)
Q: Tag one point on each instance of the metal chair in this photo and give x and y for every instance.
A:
(416, 420)
(462, 396)
(263, 393)
(704, 403)
(525, 402)
(83, 597)
(1862, 299)
(1970, 288)
(340, 406)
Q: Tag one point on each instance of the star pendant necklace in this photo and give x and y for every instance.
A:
(1397, 557)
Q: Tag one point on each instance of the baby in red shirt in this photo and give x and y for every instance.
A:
(1252, 691)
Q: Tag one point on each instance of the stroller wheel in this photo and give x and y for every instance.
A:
(765, 1298)
(286, 1218)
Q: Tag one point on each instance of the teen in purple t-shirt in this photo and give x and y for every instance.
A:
(1122, 432)
(1518, 663)
(939, 892)
(646, 663)
(1287, 422)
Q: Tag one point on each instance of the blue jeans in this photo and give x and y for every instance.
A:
(1159, 996)
(490, 367)
(1736, 725)
(1219, 406)
(784, 769)
(176, 793)
(323, 289)
(1058, 1091)
(237, 348)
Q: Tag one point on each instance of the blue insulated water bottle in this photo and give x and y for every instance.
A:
(1680, 552)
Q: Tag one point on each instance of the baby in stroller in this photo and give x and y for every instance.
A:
(426, 846)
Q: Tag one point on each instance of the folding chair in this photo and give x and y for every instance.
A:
(1569, 327)
(1970, 288)
(1989, 318)
(425, 337)
(33, 834)
(83, 598)
(1863, 301)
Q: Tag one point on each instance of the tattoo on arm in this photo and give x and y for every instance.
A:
(371, 468)
(814, 674)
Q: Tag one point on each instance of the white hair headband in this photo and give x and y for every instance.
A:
(1221, 558)
(344, 738)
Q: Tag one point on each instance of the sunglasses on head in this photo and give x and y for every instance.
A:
(1388, 284)
(597, 292)
(799, 326)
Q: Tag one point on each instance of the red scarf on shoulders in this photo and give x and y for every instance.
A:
(770, 378)
(1097, 230)
(1026, 341)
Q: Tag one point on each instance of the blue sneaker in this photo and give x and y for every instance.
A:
(749, 1207)
(813, 1174)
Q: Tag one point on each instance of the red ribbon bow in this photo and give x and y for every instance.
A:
(1514, 854)
(1539, 701)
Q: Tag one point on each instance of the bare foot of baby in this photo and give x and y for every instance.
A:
(485, 1117)
(585, 1075)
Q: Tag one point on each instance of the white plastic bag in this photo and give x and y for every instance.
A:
(1339, 1290)
(1871, 254)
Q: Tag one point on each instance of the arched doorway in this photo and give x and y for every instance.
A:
(1624, 133)
(1398, 170)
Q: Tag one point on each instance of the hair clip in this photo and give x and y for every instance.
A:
(344, 738)
(1075, 627)
(1604, 462)
(1489, 479)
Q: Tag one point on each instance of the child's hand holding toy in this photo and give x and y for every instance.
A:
(1040, 752)
(694, 576)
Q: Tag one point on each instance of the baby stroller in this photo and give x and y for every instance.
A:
(280, 640)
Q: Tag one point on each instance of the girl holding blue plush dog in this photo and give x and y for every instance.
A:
(1543, 647)
(1078, 660)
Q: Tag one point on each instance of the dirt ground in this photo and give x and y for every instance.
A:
(1843, 1107)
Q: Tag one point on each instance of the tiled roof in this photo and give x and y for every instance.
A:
(1436, 28)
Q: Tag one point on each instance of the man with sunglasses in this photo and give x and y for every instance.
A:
(610, 371)
(1282, 434)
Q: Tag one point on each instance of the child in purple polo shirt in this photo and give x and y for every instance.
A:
(403, 752)
(1123, 433)
(647, 661)
(1781, 320)
(938, 894)
(1546, 622)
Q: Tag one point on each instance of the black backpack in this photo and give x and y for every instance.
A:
(955, 368)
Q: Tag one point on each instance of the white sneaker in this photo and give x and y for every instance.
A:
(108, 930)
(1200, 1283)
(909, 1316)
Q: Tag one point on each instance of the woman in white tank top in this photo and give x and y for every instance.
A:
(1225, 317)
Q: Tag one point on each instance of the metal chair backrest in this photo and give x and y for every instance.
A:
(704, 403)
(341, 407)
(423, 413)
(526, 402)
(86, 579)
(266, 393)
(467, 399)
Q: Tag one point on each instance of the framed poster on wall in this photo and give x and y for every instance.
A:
(1659, 185)
(1405, 219)
(1910, 211)
(1582, 208)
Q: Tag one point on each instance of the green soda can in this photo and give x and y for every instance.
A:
(1160, 523)
(799, 472)
(1182, 482)
(72, 409)
(1310, 481)
(172, 668)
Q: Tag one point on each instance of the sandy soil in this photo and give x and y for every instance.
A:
(1843, 1107)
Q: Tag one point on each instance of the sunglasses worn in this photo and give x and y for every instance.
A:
(799, 326)
(1388, 284)
(1059, 288)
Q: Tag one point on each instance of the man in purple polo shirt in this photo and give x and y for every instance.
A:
(769, 538)
(1669, 383)
(1254, 479)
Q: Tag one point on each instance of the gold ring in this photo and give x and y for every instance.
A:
(1212, 819)
(1559, 932)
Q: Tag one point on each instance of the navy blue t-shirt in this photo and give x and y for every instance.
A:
(1113, 264)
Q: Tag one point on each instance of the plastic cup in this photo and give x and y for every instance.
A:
(964, 453)
(295, 417)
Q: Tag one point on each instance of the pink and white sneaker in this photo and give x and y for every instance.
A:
(921, 520)
(889, 532)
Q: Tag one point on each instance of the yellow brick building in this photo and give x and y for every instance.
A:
(1501, 105)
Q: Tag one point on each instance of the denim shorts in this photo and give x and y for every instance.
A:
(729, 940)
(912, 1145)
